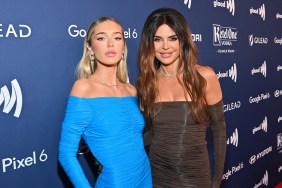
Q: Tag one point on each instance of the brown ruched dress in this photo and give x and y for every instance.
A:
(178, 150)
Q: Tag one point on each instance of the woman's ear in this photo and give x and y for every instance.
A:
(88, 47)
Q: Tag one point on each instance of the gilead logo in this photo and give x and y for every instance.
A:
(21, 31)
(12, 100)
(277, 93)
(257, 40)
(232, 106)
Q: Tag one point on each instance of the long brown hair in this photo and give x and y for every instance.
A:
(193, 83)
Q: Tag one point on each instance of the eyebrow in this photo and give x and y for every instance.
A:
(168, 36)
(103, 33)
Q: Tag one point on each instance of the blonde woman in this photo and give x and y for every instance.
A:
(103, 109)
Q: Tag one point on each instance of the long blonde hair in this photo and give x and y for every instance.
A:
(86, 66)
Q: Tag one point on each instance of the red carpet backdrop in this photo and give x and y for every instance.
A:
(41, 44)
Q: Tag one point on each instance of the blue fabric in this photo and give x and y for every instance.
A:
(112, 128)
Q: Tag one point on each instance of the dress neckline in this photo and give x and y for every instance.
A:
(172, 102)
(105, 97)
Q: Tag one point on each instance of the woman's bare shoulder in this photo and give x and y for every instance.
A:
(213, 88)
(131, 89)
(207, 72)
(81, 87)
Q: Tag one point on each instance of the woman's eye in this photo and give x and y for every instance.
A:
(157, 39)
(173, 38)
(118, 38)
(101, 38)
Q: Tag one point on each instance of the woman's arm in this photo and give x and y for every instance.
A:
(77, 117)
(218, 127)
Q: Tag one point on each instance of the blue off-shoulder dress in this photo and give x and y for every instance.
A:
(112, 128)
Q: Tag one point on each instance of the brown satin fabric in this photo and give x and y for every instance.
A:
(178, 151)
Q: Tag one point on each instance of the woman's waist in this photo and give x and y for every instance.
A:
(179, 134)
(123, 163)
(120, 155)
(178, 154)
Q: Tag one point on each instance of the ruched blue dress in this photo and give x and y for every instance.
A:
(112, 128)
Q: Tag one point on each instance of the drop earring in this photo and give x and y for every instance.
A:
(122, 56)
(92, 56)
(92, 61)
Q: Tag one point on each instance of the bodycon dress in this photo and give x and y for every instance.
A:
(178, 151)
(112, 128)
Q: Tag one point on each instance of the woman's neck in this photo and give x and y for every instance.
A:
(170, 70)
(106, 73)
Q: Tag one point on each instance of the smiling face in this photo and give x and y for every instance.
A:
(107, 43)
(167, 46)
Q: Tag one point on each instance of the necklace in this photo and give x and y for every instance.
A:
(104, 83)
(166, 75)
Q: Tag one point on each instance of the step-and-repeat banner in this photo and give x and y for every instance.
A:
(41, 43)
